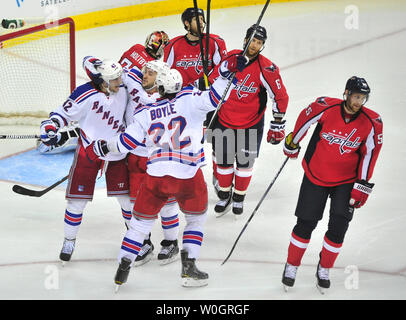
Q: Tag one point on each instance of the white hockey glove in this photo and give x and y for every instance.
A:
(97, 149)
(49, 132)
(89, 65)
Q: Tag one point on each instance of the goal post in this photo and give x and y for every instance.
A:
(37, 71)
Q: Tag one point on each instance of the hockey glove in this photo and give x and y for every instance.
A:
(276, 132)
(89, 65)
(360, 193)
(97, 149)
(232, 65)
(49, 132)
(290, 149)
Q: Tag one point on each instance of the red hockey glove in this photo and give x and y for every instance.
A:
(360, 193)
(97, 149)
(276, 132)
(290, 149)
(49, 132)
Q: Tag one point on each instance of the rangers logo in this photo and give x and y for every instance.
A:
(344, 142)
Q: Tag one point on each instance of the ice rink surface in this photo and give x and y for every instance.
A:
(317, 52)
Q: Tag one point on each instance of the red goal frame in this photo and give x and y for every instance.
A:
(50, 25)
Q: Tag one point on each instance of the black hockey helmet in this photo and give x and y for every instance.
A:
(190, 13)
(260, 33)
(358, 85)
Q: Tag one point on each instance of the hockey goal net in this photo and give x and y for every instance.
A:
(37, 71)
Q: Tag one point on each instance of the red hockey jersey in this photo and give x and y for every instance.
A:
(339, 151)
(247, 102)
(185, 56)
(136, 56)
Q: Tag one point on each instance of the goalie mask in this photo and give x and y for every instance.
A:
(155, 44)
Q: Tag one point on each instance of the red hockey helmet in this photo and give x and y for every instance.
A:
(155, 43)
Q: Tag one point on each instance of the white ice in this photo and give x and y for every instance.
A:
(317, 53)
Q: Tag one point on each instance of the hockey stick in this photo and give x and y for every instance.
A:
(19, 136)
(233, 74)
(33, 193)
(256, 209)
(204, 62)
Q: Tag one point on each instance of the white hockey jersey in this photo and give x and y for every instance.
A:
(137, 97)
(100, 116)
(173, 131)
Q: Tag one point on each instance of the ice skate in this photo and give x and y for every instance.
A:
(238, 203)
(67, 250)
(122, 273)
(191, 276)
(169, 252)
(146, 253)
(223, 206)
(289, 276)
(323, 281)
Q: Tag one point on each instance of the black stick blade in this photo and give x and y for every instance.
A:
(26, 192)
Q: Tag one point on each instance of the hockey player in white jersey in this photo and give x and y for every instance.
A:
(99, 108)
(172, 129)
(142, 90)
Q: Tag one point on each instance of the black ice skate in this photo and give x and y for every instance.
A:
(169, 251)
(238, 203)
(191, 276)
(145, 255)
(289, 276)
(223, 205)
(67, 250)
(323, 281)
(122, 272)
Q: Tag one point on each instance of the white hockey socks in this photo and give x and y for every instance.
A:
(193, 234)
(126, 208)
(73, 217)
(134, 238)
(170, 220)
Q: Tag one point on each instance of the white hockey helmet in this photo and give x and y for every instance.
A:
(157, 65)
(110, 70)
(169, 82)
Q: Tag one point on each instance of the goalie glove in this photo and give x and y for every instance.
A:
(97, 149)
(49, 132)
(360, 192)
(276, 132)
(89, 65)
(290, 149)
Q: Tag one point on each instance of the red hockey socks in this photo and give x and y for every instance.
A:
(225, 176)
(329, 253)
(242, 179)
(296, 250)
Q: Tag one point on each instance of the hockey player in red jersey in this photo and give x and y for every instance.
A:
(138, 55)
(338, 163)
(238, 130)
(183, 52)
